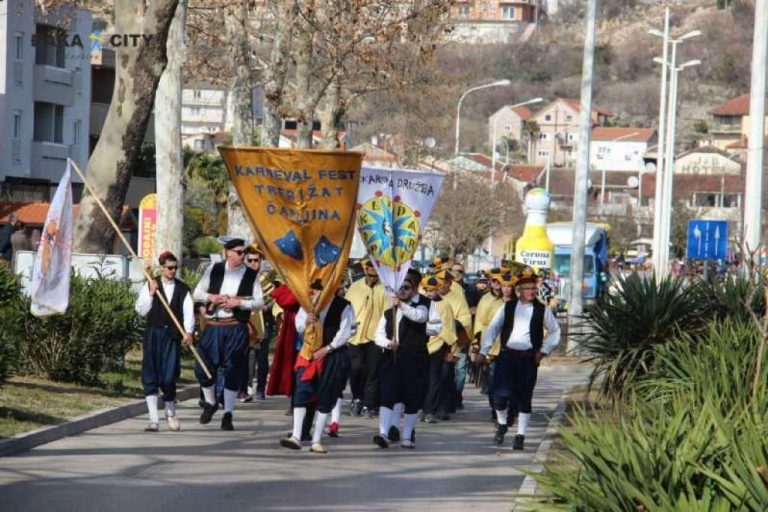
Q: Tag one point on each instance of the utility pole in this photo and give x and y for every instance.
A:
(581, 180)
(658, 199)
(753, 197)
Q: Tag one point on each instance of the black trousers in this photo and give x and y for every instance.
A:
(514, 377)
(363, 379)
(258, 361)
(440, 390)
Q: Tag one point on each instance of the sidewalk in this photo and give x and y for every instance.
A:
(120, 468)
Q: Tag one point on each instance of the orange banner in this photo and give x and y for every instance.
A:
(301, 207)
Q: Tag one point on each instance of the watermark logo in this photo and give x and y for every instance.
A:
(98, 40)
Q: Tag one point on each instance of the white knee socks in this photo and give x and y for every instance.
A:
(522, 422)
(170, 408)
(209, 394)
(410, 424)
(397, 412)
(317, 434)
(152, 406)
(501, 416)
(336, 412)
(299, 413)
(229, 400)
(385, 420)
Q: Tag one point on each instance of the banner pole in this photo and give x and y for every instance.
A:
(146, 274)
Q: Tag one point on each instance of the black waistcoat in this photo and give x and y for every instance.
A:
(244, 290)
(332, 322)
(411, 336)
(158, 316)
(537, 323)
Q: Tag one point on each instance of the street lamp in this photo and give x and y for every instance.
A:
(498, 83)
(663, 153)
(493, 158)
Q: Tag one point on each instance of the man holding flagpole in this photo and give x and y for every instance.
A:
(50, 279)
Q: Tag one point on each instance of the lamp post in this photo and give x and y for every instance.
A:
(498, 83)
(665, 167)
(493, 160)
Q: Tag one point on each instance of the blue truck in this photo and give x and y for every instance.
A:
(596, 243)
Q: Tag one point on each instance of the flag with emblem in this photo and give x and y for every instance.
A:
(50, 275)
(394, 206)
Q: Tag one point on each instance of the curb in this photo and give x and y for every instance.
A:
(528, 488)
(26, 441)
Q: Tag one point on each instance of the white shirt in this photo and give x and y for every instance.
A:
(229, 286)
(144, 303)
(419, 314)
(520, 337)
(345, 327)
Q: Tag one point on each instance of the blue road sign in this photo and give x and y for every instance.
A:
(707, 239)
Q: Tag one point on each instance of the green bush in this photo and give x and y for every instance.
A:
(98, 329)
(205, 245)
(10, 320)
(727, 298)
(622, 330)
(687, 437)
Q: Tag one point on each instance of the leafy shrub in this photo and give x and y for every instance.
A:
(205, 245)
(10, 320)
(98, 329)
(727, 298)
(686, 438)
(623, 330)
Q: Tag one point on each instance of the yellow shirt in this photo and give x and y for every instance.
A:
(448, 332)
(369, 305)
(455, 297)
(486, 310)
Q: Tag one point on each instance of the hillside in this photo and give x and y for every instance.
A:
(549, 65)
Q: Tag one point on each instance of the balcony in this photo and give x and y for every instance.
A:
(725, 128)
(49, 160)
(54, 85)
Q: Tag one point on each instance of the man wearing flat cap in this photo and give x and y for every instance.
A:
(522, 323)
(230, 291)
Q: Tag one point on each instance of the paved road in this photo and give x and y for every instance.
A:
(120, 468)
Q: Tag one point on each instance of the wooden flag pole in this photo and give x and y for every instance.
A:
(163, 301)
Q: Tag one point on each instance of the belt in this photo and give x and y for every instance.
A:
(222, 322)
(520, 353)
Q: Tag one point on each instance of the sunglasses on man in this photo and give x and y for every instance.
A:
(239, 252)
(252, 260)
(171, 267)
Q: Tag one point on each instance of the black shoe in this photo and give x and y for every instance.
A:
(208, 412)
(393, 434)
(459, 402)
(226, 422)
(380, 441)
(499, 437)
(260, 395)
(444, 417)
(413, 436)
(518, 443)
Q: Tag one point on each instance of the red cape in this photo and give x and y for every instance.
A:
(281, 371)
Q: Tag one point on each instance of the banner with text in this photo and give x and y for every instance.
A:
(300, 205)
(394, 206)
(147, 227)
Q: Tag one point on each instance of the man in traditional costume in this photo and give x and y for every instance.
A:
(442, 353)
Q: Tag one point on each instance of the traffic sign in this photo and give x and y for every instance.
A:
(707, 239)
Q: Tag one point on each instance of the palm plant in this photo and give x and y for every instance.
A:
(622, 331)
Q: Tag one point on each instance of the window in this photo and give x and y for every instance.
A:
(508, 12)
(50, 46)
(548, 117)
(569, 118)
(603, 150)
(715, 199)
(199, 144)
(17, 124)
(571, 137)
(464, 11)
(507, 128)
(197, 94)
(76, 126)
(49, 122)
(544, 152)
(18, 46)
(543, 136)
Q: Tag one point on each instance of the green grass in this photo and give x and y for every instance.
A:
(28, 403)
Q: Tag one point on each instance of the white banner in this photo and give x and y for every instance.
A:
(394, 206)
(50, 276)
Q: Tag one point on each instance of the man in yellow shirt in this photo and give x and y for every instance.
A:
(441, 353)
(458, 302)
(369, 301)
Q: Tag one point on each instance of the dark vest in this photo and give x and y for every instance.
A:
(245, 289)
(411, 336)
(158, 316)
(537, 323)
(332, 322)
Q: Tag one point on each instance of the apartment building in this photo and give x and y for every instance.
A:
(494, 21)
(45, 96)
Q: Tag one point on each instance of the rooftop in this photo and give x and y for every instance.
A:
(629, 134)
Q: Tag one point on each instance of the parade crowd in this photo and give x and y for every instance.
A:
(406, 357)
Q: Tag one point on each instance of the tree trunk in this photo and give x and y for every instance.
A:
(241, 96)
(275, 74)
(332, 117)
(170, 162)
(137, 73)
(305, 108)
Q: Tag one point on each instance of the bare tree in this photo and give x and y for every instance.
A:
(169, 158)
(138, 71)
